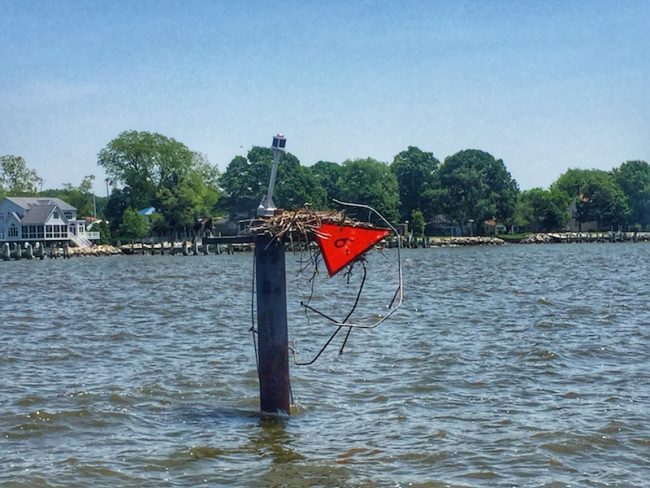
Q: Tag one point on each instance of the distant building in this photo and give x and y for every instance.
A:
(42, 219)
(441, 226)
(575, 225)
(147, 212)
(492, 227)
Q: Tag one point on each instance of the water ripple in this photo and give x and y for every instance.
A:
(511, 366)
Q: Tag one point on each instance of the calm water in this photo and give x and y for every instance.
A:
(511, 366)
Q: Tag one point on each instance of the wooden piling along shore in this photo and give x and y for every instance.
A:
(185, 248)
(19, 251)
(236, 244)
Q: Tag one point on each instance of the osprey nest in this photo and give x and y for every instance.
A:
(300, 225)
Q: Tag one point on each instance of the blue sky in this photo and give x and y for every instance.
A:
(542, 85)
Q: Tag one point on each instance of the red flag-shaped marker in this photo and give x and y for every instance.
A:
(342, 244)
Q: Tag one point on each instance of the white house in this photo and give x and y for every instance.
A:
(42, 219)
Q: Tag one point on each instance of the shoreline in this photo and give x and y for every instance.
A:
(537, 238)
(194, 249)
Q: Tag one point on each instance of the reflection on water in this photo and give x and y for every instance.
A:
(511, 366)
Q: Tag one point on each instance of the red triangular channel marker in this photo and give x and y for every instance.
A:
(344, 244)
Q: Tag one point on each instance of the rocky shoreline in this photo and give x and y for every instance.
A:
(101, 250)
(580, 237)
(539, 238)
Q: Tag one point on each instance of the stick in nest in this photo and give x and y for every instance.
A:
(300, 225)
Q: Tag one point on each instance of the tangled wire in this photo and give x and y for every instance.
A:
(302, 226)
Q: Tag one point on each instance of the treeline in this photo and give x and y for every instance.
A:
(469, 190)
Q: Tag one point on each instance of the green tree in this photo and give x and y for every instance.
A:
(246, 180)
(328, 174)
(104, 232)
(16, 179)
(573, 180)
(542, 210)
(80, 197)
(417, 223)
(116, 206)
(244, 185)
(473, 185)
(604, 201)
(597, 197)
(370, 182)
(633, 177)
(161, 172)
(414, 170)
(134, 226)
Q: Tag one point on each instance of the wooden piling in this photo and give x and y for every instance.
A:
(272, 330)
(6, 252)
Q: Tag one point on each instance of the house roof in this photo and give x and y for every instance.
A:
(37, 214)
(147, 211)
(29, 202)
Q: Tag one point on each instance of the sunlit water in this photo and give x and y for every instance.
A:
(508, 366)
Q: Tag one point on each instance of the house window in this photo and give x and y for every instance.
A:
(55, 214)
(24, 232)
(2, 234)
(40, 232)
(60, 231)
(49, 231)
(2, 215)
(13, 230)
(67, 215)
(32, 232)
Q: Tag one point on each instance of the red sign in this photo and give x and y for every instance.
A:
(342, 244)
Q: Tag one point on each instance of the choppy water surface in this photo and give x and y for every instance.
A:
(511, 366)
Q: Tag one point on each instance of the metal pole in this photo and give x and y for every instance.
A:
(272, 333)
(267, 207)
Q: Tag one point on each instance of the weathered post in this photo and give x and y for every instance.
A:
(272, 332)
(6, 252)
(271, 283)
(271, 286)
